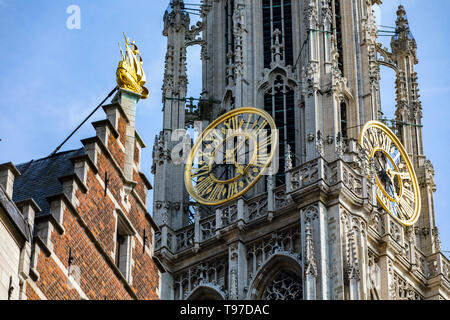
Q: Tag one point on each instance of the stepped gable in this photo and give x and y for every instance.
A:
(39, 178)
(14, 214)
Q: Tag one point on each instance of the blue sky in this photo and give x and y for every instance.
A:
(52, 77)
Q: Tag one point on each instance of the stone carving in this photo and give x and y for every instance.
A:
(352, 181)
(395, 232)
(281, 199)
(208, 228)
(374, 277)
(377, 223)
(185, 238)
(402, 290)
(257, 208)
(319, 144)
(352, 257)
(161, 152)
(288, 159)
(422, 265)
(311, 16)
(436, 239)
(229, 215)
(286, 242)
(311, 214)
(305, 175)
(212, 273)
(158, 240)
(310, 82)
(310, 260)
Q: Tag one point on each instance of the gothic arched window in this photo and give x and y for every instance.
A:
(279, 101)
(344, 120)
(285, 285)
(277, 14)
(338, 34)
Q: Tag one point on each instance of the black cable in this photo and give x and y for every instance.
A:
(90, 115)
(301, 50)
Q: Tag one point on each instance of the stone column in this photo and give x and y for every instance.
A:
(128, 100)
(237, 269)
(315, 251)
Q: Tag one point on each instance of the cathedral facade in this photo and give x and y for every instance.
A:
(316, 229)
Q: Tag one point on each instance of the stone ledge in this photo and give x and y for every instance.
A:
(86, 158)
(106, 123)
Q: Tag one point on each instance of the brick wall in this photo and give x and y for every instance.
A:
(90, 225)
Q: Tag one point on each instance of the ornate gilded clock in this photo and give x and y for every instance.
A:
(397, 187)
(230, 156)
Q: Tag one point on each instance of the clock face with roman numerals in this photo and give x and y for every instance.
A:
(231, 155)
(397, 187)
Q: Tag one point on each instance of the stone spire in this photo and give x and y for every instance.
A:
(167, 191)
(403, 41)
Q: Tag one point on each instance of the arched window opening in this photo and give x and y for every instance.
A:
(286, 285)
(277, 14)
(338, 34)
(205, 293)
(279, 102)
(344, 120)
(229, 37)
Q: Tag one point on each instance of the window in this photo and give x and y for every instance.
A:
(344, 124)
(277, 14)
(338, 35)
(229, 37)
(279, 103)
(124, 245)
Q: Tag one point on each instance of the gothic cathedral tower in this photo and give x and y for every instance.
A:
(314, 230)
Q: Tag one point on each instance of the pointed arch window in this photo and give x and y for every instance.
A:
(229, 38)
(277, 14)
(338, 34)
(279, 102)
(344, 120)
(285, 285)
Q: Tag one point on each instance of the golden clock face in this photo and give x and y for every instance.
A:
(397, 186)
(230, 156)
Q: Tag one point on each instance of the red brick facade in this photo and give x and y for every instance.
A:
(83, 220)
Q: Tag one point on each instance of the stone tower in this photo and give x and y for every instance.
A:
(315, 229)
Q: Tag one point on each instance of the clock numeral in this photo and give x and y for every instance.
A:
(397, 156)
(200, 171)
(386, 143)
(248, 122)
(404, 175)
(216, 192)
(203, 157)
(249, 178)
(406, 208)
(408, 194)
(234, 123)
(204, 186)
(255, 132)
(261, 160)
(232, 189)
(264, 143)
(216, 139)
(384, 200)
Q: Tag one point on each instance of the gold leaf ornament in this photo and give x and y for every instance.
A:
(130, 74)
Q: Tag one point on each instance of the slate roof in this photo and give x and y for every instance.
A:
(39, 178)
(14, 214)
